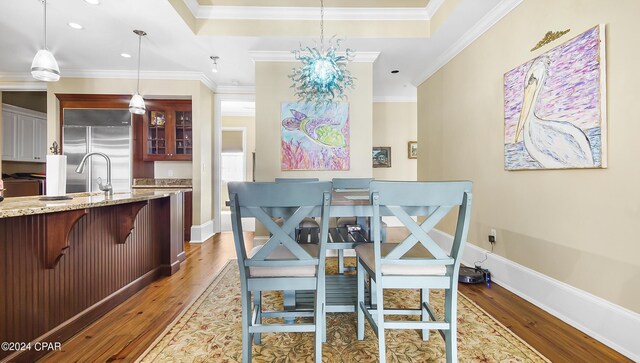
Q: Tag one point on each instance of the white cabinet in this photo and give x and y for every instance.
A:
(9, 130)
(24, 135)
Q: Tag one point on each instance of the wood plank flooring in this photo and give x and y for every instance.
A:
(124, 333)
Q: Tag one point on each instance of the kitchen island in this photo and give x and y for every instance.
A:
(65, 263)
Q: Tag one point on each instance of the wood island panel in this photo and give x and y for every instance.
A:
(96, 273)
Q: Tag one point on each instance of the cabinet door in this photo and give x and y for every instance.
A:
(40, 140)
(8, 135)
(26, 138)
(183, 140)
(156, 141)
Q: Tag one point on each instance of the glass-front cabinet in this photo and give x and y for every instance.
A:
(168, 130)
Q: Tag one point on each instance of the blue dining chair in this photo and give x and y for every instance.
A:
(417, 262)
(351, 183)
(281, 263)
(308, 222)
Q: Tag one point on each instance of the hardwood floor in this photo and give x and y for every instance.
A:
(124, 333)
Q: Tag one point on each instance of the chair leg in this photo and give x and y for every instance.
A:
(319, 321)
(341, 261)
(451, 336)
(361, 274)
(257, 301)
(382, 351)
(424, 298)
(246, 322)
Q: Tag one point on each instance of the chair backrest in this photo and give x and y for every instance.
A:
(351, 183)
(296, 180)
(433, 200)
(294, 202)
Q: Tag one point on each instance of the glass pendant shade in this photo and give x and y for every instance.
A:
(44, 67)
(322, 77)
(136, 105)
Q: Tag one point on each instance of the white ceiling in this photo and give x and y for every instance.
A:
(172, 48)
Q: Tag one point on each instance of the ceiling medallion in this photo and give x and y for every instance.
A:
(323, 76)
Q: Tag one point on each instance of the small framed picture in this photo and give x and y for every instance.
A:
(381, 157)
(413, 149)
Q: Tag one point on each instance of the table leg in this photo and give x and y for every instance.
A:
(289, 303)
(372, 292)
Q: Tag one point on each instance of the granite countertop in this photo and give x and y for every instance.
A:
(161, 183)
(21, 206)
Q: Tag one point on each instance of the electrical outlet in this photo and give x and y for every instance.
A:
(493, 235)
(170, 172)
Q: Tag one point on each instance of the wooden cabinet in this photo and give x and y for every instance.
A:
(168, 131)
(24, 135)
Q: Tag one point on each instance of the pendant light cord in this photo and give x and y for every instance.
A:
(322, 25)
(45, 23)
(139, 47)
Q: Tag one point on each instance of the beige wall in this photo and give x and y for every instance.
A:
(249, 123)
(395, 124)
(577, 226)
(202, 106)
(272, 88)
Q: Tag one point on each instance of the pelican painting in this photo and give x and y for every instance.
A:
(554, 107)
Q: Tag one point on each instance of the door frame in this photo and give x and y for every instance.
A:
(218, 98)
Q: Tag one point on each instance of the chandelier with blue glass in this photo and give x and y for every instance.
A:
(323, 76)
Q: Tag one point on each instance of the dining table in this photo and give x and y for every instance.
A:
(341, 293)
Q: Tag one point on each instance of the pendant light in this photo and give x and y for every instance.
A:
(44, 66)
(214, 58)
(322, 77)
(137, 102)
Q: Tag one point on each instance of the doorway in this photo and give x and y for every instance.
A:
(237, 147)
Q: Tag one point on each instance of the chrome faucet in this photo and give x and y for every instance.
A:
(106, 188)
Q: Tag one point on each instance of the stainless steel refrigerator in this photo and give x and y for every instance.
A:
(106, 131)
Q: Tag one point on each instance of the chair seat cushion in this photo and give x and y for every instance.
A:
(366, 255)
(283, 253)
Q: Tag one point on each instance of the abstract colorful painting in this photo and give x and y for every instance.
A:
(315, 137)
(555, 107)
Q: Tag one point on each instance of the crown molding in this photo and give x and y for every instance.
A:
(218, 12)
(287, 56)
(432, 7)
(20, 82)
(24, 81)
(488, 21)
(385, 99)
(237, 90)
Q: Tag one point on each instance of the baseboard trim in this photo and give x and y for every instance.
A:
(611, 324)
(201, 232)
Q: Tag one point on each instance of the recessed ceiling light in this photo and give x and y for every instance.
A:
(75, 26)
(92, 2)
(395, 71)
(125, 55)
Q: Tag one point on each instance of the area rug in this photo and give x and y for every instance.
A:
(210, 331)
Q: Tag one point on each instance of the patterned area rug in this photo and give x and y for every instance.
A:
(210, 331)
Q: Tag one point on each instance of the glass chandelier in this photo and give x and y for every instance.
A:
(323, 76)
